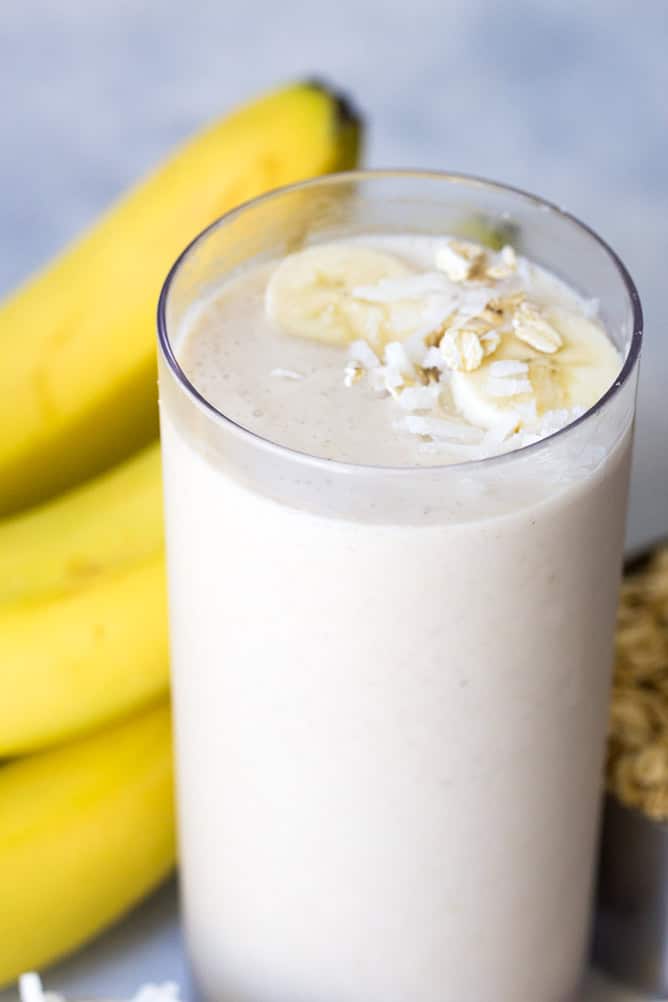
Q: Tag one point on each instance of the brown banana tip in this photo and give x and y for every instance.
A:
(347, 112)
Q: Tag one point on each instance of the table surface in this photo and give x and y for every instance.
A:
(564, 99)
(147, 947)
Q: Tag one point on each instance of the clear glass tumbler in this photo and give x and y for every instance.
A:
(390, 684)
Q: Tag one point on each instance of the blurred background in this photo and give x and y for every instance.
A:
(568, 100)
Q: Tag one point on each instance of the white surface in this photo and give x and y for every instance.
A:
(565, 99)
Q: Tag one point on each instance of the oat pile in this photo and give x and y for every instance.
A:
(637, 766)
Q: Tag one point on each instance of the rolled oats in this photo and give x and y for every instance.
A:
(531, 327)
(462, 349)
(637, 763)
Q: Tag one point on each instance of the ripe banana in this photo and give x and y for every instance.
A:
(72, 540)
(86, 830)
(572, 372)
(82, 607)
(310, 293)
(78, 383)
(71, 661)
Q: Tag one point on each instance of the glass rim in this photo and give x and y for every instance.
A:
(366, 174)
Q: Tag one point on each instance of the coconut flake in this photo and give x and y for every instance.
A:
(439, 428)
(393, 379)
(508, 387)
(396, 357)
(458, 259)
(30, 988)
(377, 379)
(287, 374)
(393, 290)
(554, 420)
(438, 309)
(168, 991)
(527, 411)
(432, 359)
(414, 347)
(503, 428)
(352, 373)
(361, 351)
(419, 398)
(508, 367)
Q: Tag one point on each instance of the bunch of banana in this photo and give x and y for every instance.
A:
(80, 391)
(86, 816)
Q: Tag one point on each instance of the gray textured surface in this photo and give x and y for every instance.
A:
(568, 100)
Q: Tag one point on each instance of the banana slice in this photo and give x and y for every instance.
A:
(310, 294)
(518, 385)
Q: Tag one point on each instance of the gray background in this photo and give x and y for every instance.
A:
(568, 99)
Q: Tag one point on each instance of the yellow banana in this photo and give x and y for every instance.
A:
(73, 660)
(72, 540)
(78, 380)
(86, 830)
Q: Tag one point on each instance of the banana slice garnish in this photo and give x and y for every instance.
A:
(519, 384)
(510, 364)
(310, 294)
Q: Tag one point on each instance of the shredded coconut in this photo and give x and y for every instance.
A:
(393, 379)
(430, 339)
(473, 302)
(31, 990)
(352, 373)
(287, 374)
(506, 426)
(555, 420)
(393, 290)
(166, 992)
(439, 428)
(396, 357)
(419, 398)
(508, 387)
(433, 359)
(362, 352)
(508, 367)
(527, 411)
(459, 260)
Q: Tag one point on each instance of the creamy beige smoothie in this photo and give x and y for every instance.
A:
(391, 646)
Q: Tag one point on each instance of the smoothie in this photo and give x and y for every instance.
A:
(392, 599)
